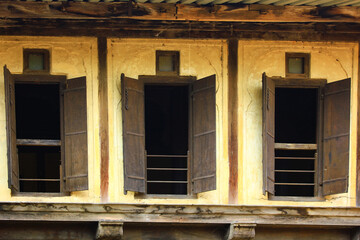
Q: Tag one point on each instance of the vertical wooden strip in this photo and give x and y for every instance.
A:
(103, 126)
(233, 119)
(358, 137)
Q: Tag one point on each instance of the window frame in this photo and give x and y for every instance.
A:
(306, 57)
(172, 81)
(27, 52)
(307, 83)
(48, 79)
(175, 61)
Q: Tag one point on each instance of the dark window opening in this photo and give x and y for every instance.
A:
(38, 136)
(39, 169)
(295, 125)
(37, 111)
(166, 142)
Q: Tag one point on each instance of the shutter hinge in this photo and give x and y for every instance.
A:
(126, 98)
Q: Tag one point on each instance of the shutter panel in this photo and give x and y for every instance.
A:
(13, 163)
(204, 135)
(75, 131)
(133, 134)
(336, 137)
(268, 133)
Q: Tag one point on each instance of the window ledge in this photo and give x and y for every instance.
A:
(296, 199)
(163, 196)
(38, 194)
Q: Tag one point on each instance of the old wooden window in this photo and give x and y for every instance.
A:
(305, 136)
(46, 133)
(36, 61)
(297, 65)
(169, 134)
(167, 63)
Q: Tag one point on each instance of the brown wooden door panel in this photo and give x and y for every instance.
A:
(133, 114)
(268, 134)
(13, 163)
(204, 135)
(336, 137)
(75, 131)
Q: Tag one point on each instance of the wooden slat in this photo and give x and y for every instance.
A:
(38, 142)
(295, 146)
(39, 180)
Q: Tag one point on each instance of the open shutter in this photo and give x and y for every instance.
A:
(336, 137)
(75, 131)
(133, 134)
(204, 135)
(13, 163)
(268, 133)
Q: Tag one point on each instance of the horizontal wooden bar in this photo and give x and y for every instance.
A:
(296, 171)
(39, 180)
(38, 142)
(168, 169)
(166, 181)
(295, 158)
(168, 156)
(295, 146)
(296, 184)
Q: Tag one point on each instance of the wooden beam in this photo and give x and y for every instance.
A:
(172, 213)
(186, 12)
(103, 112)
(233, 119)
(129, 28)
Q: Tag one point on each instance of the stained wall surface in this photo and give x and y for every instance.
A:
(330, 61)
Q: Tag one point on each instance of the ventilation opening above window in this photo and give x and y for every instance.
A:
(166, 143)
(36, 61)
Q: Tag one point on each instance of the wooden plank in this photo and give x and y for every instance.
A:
(233, 119)
(185, 12)
(103, 124)
(37, 142)
(295, 146)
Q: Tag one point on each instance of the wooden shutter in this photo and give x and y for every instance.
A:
(268, 134)
(13, 163)
(75, 130)
(336, 137)
(133, 115)
(204, 135)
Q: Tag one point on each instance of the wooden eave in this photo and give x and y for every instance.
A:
(169, 213)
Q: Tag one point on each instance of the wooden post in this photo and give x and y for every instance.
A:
(103, 126)
(110, 231)
(358, 138)
(233, 119)
(239, 231)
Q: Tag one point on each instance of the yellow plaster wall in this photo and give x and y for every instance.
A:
(73, 57)
(332, 61)
(198, 58)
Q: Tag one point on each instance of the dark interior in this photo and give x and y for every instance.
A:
(40, 163)
(166, 131)
(38, 117)
(295, 115)
(295, 122)
(37, 111)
